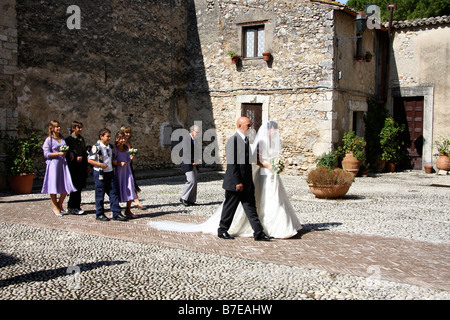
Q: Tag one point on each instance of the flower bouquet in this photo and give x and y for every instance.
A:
(64, 148)
(277, 165)
(133, 151)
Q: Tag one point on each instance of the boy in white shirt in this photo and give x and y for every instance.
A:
(101, 158)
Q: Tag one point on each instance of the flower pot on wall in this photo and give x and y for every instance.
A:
(267, 56)
(21, 184)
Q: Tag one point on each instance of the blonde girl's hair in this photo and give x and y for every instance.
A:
(51, 126)
(125, 129)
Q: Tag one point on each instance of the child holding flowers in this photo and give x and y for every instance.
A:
(122, 157)
(57, 179)
(127, 131)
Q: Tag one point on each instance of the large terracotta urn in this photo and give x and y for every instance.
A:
(390, 167)
(443, 163)
(350, 163)
(21, 184)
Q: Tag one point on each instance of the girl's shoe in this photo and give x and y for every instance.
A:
(130, 215)
(56, 213)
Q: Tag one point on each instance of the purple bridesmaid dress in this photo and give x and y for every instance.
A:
(57, 179)
(124, 177)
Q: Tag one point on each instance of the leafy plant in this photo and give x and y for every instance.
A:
(353, 143)
(391, 142)
(406, 9)
(23, 150)
(329, 160)
(374, 122)
(443, 147)
(232, 53)
(323, 176)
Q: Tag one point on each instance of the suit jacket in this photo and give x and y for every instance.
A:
(239, 165)
(77, 147)
(188, 154)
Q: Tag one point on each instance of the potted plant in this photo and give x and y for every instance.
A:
(266, 56)
(353, 150)
(329, 160)
(234, 57)
(329, 183)
(368, 56)
(22, 153)
(443, 147)
(391, 143)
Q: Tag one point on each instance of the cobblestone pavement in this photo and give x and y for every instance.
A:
(363, 235)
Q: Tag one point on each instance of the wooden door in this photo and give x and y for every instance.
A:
(253, 111)
(409, 111)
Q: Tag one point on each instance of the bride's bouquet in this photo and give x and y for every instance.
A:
(64, 148)
(277, 165)
(133, 151)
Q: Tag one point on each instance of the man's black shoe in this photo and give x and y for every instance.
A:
(185, 203)
(225, 235)
(120, 217)
(263, 237)
(102, 217)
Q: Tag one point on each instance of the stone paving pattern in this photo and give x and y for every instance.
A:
(421, 263)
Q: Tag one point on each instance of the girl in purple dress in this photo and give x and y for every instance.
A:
(57, 179)
(123, 174)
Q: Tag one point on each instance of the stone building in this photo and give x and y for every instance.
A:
(162, 65)
(313, 86)
(419, 83)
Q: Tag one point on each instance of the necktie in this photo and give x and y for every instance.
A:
(246, 151)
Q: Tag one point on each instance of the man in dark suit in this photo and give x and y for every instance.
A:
(238, 183)
(189, 166)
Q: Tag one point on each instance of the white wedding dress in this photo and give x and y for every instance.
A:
(273, 206)
(274, 209)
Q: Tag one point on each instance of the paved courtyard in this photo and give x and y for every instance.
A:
(388, 238)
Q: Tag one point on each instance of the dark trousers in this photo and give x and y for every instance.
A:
(232, 199)
(75, 199)
(108, 186)
(79, 176)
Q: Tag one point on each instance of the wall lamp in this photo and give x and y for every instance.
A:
(360, 24)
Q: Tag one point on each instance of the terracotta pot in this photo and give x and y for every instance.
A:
(266, 56)
(380, 165)
(235, 59)
(443, 163)
(329, 192)
(21, 184)
(359, 57)
(390, 167)
(428, 169)
(350, 163)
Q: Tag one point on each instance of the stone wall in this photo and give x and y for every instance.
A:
(420, 67)
(126, 65)
(299, 36)
(8, 66)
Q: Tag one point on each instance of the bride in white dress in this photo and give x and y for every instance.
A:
(272, 203)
